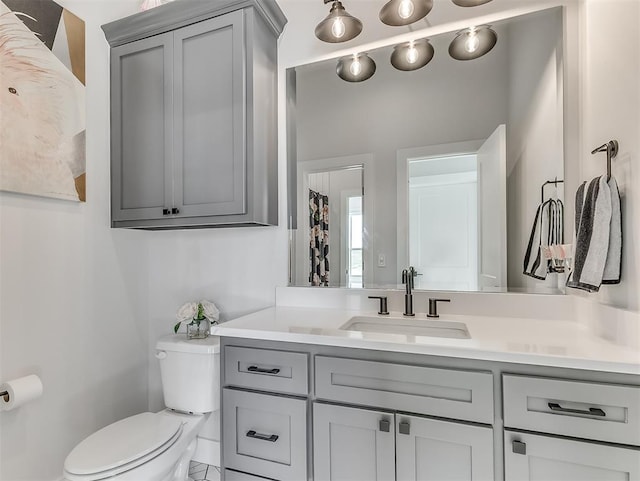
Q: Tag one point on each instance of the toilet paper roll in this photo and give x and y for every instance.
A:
(20, 391)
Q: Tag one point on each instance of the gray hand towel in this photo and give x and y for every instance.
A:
(535, 265)
(593, 218)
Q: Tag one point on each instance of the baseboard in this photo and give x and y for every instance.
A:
(207, 451)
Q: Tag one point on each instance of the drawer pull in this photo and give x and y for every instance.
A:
(261, 370)
(518, 447)
(384, 425)
(404, 428)
(272, 438)
(590, 412)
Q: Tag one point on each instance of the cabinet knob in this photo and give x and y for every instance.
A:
(404, 428)
(518, 447)
(175, 211)
(384, 425)
(166, 212)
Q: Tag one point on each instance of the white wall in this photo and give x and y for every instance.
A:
(72, 298)
(611, 110)
(534, 133)
(99, 298)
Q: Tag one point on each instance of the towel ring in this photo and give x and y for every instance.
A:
(611, 148)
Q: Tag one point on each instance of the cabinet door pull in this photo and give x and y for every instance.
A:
(175, 211)
(590, 412)
(272, 438)
(260, 370)
(404, 428)
(384, 425)
(518, 447)
(166, 212)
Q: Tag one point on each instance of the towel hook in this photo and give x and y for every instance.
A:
(554, 182)
(611, 148)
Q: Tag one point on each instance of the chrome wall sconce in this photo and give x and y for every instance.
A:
(339, 25)
(473, 42)
(356, 68)
(412, 55)
(470, 3)
(404, 12)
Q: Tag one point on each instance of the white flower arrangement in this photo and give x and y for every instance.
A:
(195, 312)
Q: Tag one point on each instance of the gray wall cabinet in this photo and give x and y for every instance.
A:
(194, 115)
(360, 415)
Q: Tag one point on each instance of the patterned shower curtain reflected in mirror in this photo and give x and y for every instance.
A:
(318, 238)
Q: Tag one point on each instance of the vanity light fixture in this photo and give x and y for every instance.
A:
(470, 3)
(339, 25)
(412, 55)
(356, 68)
(404, 12)
(473, 42)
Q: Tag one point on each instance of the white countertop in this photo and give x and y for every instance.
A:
(555, 343)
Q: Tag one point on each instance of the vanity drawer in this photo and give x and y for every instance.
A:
(265, 435)
(449, 393)
(605, 412)
(266, 369)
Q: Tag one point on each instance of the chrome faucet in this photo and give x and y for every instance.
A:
(407, 280)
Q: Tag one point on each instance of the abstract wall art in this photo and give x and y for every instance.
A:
(42, 100)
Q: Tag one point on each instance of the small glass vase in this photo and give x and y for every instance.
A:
(198, 329)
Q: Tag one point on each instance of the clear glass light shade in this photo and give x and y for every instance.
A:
(412, 55)
(338, 26)
(473, 42)
(356, 68)
(404, 12)
(470, 3)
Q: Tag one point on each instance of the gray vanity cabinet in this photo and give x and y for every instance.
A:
(586, 431)
(193, 115)
(352, 443)
(437, 450)
(360, 445)
(532, 457)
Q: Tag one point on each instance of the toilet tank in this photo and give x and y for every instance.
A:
(190, 372)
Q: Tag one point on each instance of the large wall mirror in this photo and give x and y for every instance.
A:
(441, 168)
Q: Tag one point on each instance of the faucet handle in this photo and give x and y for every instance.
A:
(384, 310)
(433, 306)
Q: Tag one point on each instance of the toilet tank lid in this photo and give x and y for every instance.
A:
(180, 343)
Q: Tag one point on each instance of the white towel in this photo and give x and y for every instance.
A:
(613, 263)
(597, 248)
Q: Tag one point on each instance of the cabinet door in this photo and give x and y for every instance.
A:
(351, 444)
(141, 134)
(209, 117)
(434, 450)
(530, 457)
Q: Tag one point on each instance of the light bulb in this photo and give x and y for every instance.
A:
(338, 28)
(412, 54)
(405, 9)
(356, 67)
(472, 42)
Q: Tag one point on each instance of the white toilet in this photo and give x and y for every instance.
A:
(157, 446)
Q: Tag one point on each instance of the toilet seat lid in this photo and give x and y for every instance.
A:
(123, 442)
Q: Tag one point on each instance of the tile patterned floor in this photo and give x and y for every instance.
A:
(203, 472)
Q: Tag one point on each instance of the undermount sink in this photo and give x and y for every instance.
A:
(414, 327)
